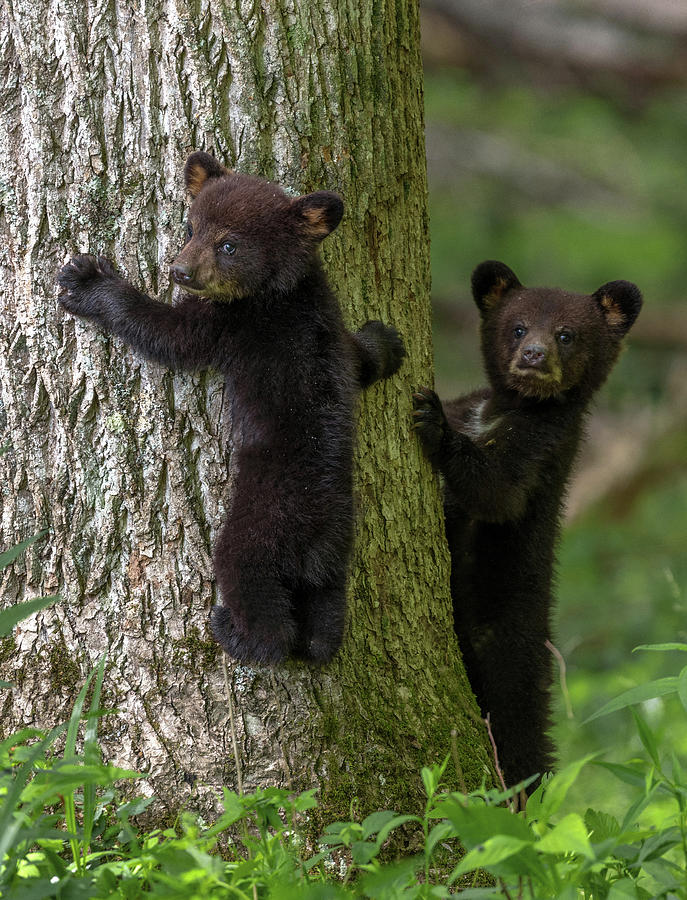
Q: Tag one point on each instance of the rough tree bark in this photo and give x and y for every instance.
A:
(128, 465)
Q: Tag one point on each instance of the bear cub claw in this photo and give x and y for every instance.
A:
(429, 419)
(81, 281)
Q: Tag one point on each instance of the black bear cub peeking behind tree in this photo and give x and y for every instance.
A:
(505, 453)
(257, 307)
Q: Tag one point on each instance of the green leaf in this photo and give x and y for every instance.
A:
(9, 824)
(647, 737)
(40, 888)
(678, 774)
(363, 852)
(622, 889)
(482, 894)
(477, 823)
(647, 691)
(233, 806)
(92, 754)
(662, 647)
(134, 807)
(440, 832)
(283, 892)
(430, 780)
(568, 836)
(682, 687)
(305, 801)
(658, 844)
(601, 825)
(628, 774)
(69, 752)
(497, 797)
(375, 821)
(8, 556)
(13, 614)
(392, 824)
(13, 747)
(665, 872)
(492, 851)
(342, 833)
(569, 892)
(431, 777)
(390, 880)
(632, 815)
(316, 859)
(555, 790)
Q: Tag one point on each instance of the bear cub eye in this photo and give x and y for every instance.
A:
(519, 331)
(228, 248)
(565, 337)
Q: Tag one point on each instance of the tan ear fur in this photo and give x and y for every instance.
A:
(319, 213)
(613, 311)
(196, 176)
(316, 222)
(199, 168)
(620, 303)
(490, 281)
(493, 297)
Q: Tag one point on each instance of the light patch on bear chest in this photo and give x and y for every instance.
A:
(476, 426)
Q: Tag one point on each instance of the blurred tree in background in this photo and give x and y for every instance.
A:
(556, 136)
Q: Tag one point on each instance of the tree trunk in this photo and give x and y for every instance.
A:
(128, 465)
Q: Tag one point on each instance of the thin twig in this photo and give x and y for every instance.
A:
(234, 742)
(487, 722)
(564, 685)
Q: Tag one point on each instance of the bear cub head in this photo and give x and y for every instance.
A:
(246, 236)
(548, 343)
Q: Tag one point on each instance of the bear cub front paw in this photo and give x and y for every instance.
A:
(429, 420)
(85, 283)
(389, 342)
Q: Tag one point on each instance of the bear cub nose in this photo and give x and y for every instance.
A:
(181, 274)
(534, 355)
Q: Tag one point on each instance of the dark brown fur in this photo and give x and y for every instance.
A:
(505, 453)
(257, 306)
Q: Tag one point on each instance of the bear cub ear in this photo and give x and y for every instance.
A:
(318, 213)
(620, 302)
(201, 167)
(490, 281)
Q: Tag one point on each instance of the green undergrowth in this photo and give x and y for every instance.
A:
(67, 832)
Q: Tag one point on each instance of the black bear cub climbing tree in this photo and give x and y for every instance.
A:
(257, 307)
(505, 453)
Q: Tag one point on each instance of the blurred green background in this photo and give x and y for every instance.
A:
(556, 142)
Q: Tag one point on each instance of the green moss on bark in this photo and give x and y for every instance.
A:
(64, 674)
(195, 654)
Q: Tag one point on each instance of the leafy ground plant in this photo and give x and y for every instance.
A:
(593, 855)
(65, 833)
